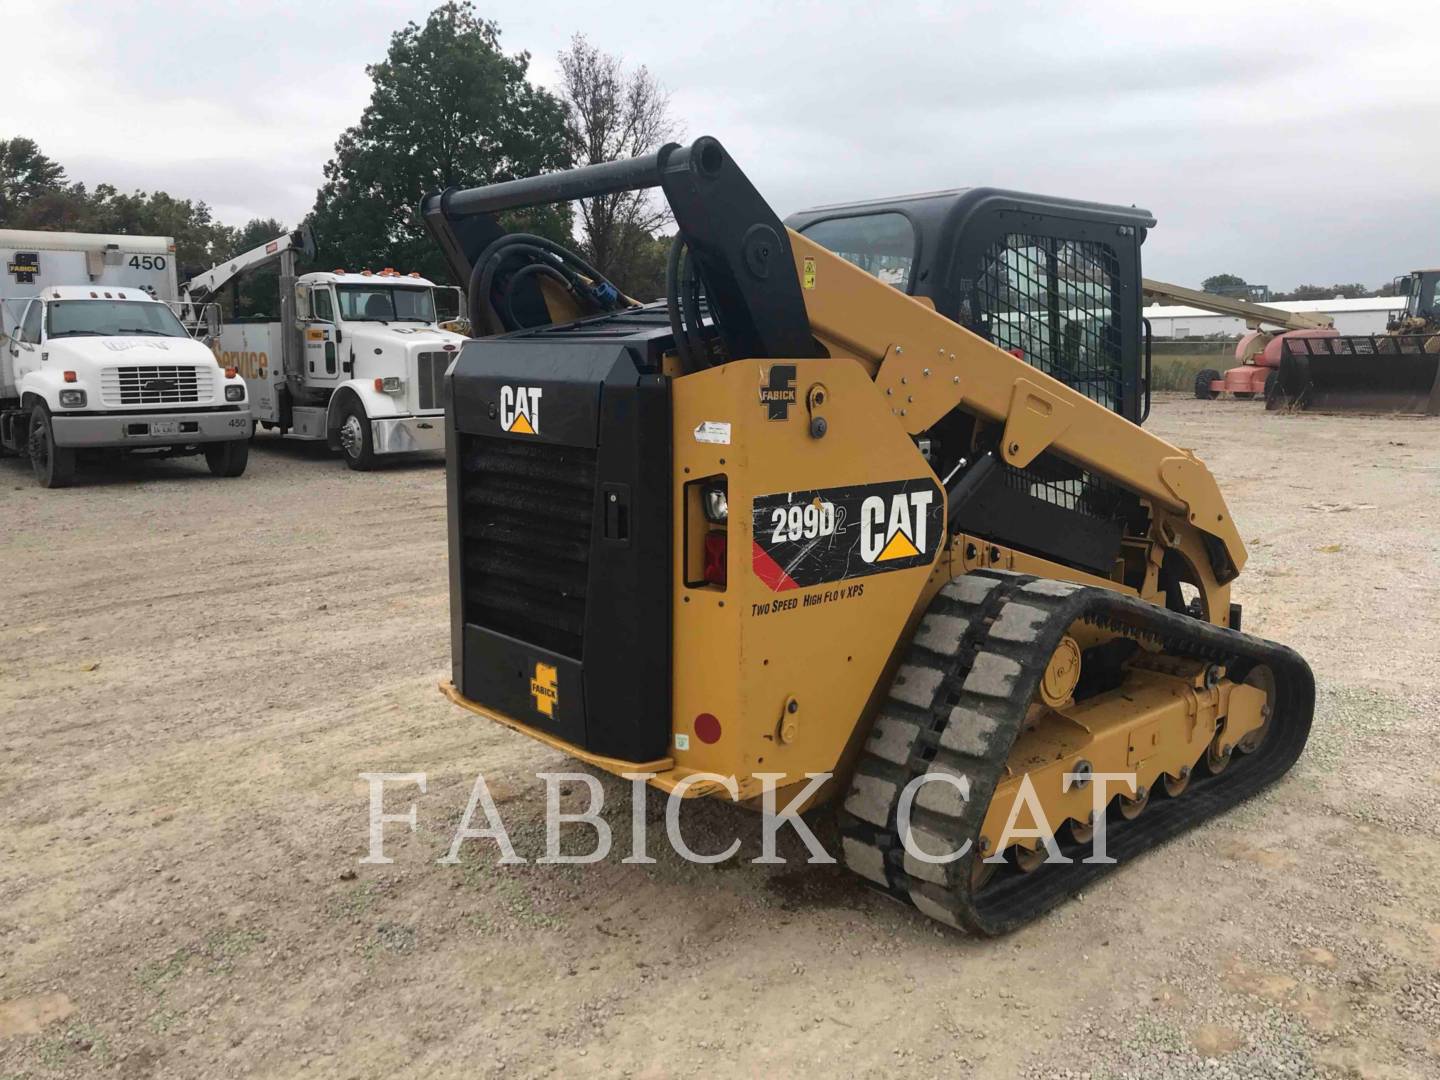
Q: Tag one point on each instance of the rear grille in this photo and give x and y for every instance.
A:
(432, 378)
(526, 513)
(1055, 481)
(155, 385)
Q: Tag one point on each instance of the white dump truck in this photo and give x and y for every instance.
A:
(94, 359)
(355, 359)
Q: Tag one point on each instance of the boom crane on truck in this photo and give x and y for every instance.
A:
(797, 519)
(356, 360)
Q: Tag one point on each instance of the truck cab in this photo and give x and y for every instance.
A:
(86, 368)
(356, 359)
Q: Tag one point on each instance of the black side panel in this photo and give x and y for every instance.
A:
(560, 541)
(627, 621)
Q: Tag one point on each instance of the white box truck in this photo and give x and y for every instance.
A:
(94, 359)
(355, 359)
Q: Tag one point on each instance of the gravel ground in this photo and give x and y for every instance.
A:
(194, 672)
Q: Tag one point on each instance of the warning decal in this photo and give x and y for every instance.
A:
(805, 538)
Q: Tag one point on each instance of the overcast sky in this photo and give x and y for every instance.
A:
(1292, 145)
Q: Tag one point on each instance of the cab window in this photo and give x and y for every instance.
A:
(880, 244)
(322, 307)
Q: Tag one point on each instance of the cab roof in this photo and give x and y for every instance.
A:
(366, 277)
(96, 292)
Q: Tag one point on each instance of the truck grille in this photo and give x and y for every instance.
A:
(155, 385)
(526, 516)
(432, 367)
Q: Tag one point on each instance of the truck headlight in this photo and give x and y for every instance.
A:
(390, 384)
(234, 393)
(717, 504)
(72, 399)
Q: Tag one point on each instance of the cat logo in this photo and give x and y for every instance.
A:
(894, 528)
(520, 410)
(543, 688)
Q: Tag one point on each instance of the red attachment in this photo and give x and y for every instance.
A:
(379, 384)
(715, 547)
(1017, 352)
(707, 728)
(70, 376)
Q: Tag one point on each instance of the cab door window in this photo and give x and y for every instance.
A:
(322, 306)
(30, 328)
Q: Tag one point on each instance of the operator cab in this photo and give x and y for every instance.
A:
(1055, 281)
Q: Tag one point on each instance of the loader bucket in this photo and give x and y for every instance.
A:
(1381, 374)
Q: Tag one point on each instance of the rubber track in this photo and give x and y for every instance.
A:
(957, 704)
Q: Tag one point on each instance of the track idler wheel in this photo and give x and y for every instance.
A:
(1262, 678)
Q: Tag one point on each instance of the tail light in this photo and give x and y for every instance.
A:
(715, 551)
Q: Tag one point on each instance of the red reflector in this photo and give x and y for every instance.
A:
(707, 728)
(1017, 352)
(715, 558)
(379, 384)
(69, 376)
(231, 372)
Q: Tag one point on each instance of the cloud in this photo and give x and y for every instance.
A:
(1283, 142)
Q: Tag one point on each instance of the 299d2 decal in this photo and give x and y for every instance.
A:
(805, 538)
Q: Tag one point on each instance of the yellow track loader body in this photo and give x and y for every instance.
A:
(882, 514)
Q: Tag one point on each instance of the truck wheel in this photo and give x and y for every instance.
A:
(54, 465)
(357, 444)
(228, 458)
(1202, 384)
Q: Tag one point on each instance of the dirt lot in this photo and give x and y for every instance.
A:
(193, 672)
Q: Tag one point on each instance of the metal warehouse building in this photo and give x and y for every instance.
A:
(1363, 315)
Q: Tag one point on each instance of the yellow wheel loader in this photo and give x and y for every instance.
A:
(866, 496)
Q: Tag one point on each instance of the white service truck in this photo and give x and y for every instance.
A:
(94, 359)
(355, 359)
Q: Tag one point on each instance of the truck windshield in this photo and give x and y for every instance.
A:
(111, 318)
(386, 303)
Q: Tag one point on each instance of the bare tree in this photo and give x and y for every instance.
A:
(615, 114)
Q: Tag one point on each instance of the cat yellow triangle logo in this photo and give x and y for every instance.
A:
(520, 426)
(899, 547)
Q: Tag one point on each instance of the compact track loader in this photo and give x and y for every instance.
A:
(863, 496)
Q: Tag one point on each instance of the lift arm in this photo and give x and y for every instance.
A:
(1255, 315)
(204, 286)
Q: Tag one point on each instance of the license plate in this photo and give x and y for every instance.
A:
(165, 427)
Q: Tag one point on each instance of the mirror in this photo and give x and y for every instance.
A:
(302, 302)
(212, 321)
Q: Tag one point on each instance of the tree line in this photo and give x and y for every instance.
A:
(448, 108)
(1235, 285)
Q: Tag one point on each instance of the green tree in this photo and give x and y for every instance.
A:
(1220, 282)
(257, 293)
(448, 108)
(25, 174)
(1325, 292)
